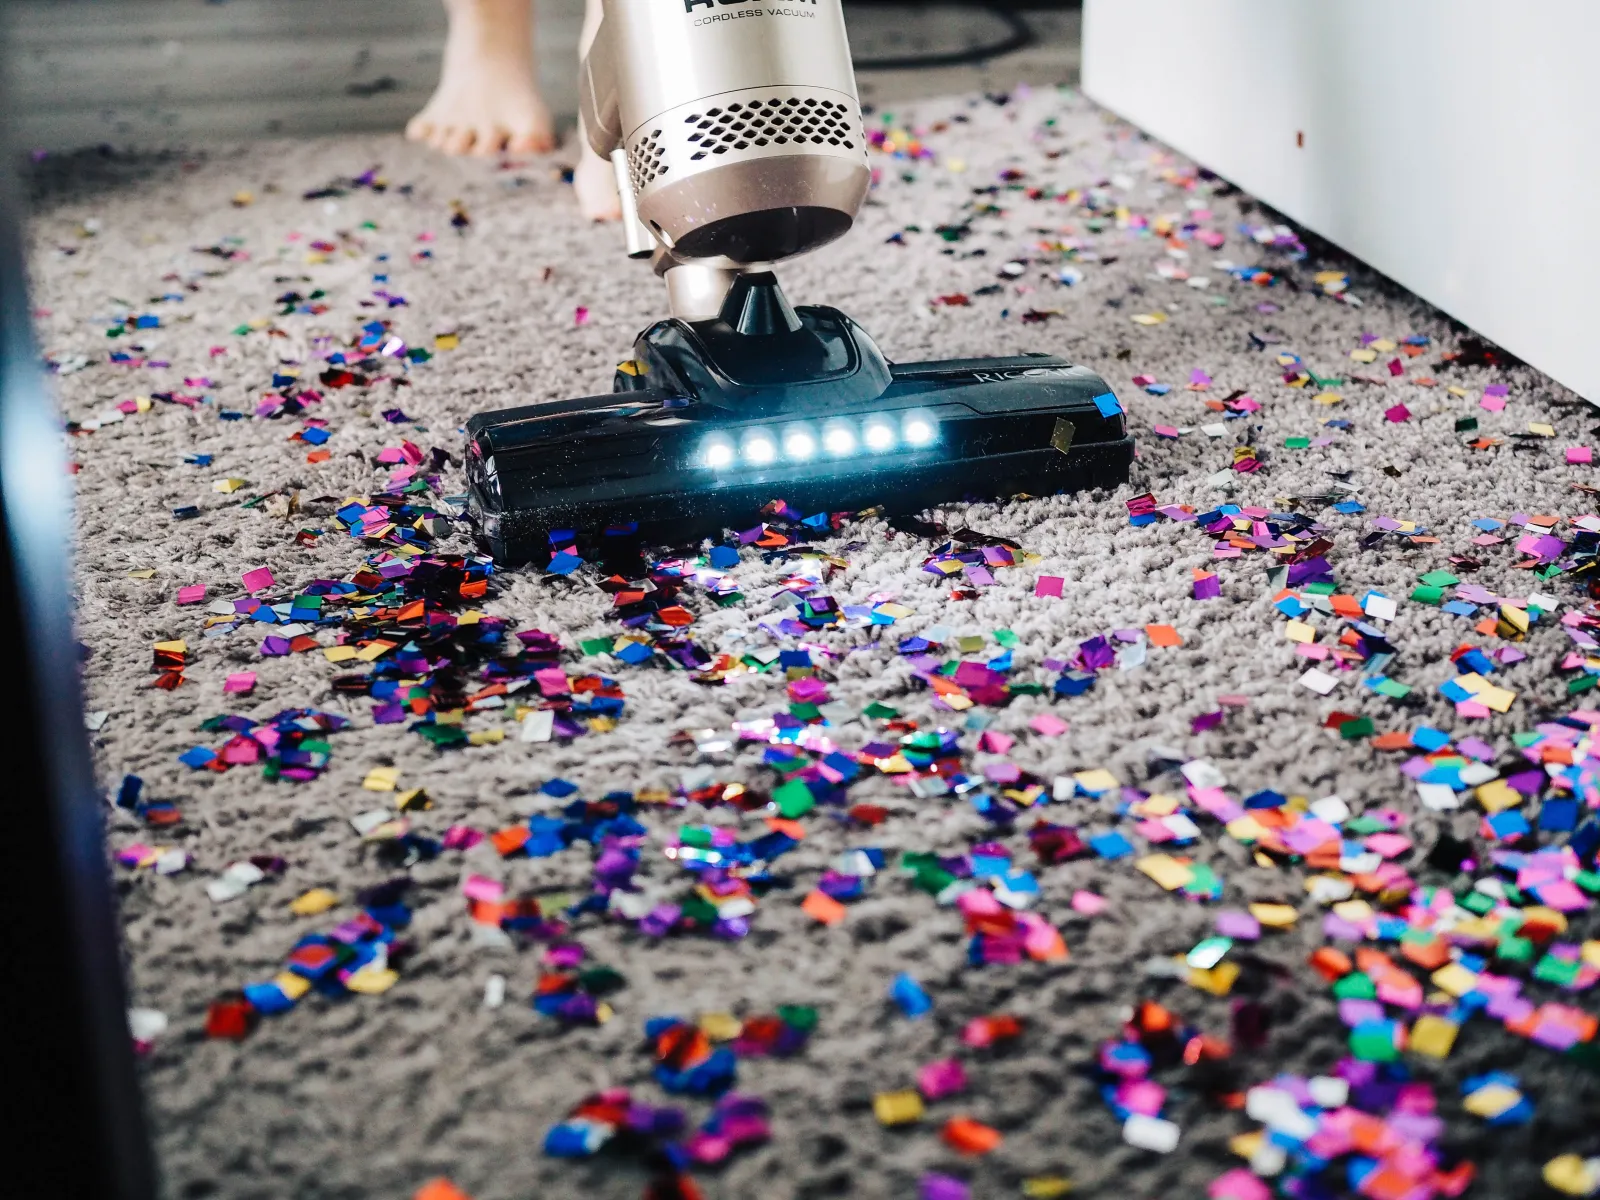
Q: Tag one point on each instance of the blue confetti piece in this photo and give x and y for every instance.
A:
(564, 563)
(1106, 402)
(1111, 845)
(197, 757)
(724, 558)
(909, 996)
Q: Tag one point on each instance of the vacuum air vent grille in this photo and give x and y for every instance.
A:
(645, 160)
(774, 121)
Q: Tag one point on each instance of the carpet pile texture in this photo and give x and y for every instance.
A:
(982, 248)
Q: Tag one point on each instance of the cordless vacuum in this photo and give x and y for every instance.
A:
(737, 140)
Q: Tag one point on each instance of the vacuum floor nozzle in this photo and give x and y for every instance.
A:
(712, 419)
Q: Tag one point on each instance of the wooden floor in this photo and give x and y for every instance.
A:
(172, 72)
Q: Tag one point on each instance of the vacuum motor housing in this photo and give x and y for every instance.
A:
(740, 121)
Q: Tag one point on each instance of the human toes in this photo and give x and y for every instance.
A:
(532, 141)
(457, 140)
(489, 141)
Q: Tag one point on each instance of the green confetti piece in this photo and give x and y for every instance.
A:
(1320, 589)
(1355, 986)
(1466, 424)
(1440, 579)
(1426, 594)
(878, 711)
(1352, 731)
(1006, 638)
(1373, 1044)
(1581, 684)
(1392, 688)
(799, 1016)
(1296, 443)
(599, 645)
(1477, 902)
(1551, 969)
(1514, 949)
(794, 799)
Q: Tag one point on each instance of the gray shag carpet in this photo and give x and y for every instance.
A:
(373, 1095)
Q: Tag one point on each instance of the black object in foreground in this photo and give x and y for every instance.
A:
(711, 419)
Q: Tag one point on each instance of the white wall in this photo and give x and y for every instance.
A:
(1454, 145)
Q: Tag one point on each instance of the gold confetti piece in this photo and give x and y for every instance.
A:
(336, 654)
(174, 647)
(1364, 356)
(291, 985)
(721, 1027)
(413, 800)
(488, 737)
(309, 904)
(143, 573)
(1328, 398)
(1167, 871)
(371, 981)
(446, 341)
(1455, 979)
(1497, 795)
(1046, 1187)
(1154, 318)
(1245, 1145)
(1300, 631)
(1571, 1175)
(897, 1108)
(1433, 1036)
(243, 199)
(1219, 980)
(381, 779)
(1097, 780)
(1491, 1100)
(1275, 916)
(1541, 429)
(228, 486)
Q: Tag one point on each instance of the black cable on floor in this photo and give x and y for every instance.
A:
(1020, 35)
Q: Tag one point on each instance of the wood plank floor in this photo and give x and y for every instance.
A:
(174, 72)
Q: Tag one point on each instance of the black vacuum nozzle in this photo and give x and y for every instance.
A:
(712, 419)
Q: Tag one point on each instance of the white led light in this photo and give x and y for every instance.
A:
(878, 435)
(919, 429)
(716, 453)
(759, 448)
(839, 440)
(799, 442)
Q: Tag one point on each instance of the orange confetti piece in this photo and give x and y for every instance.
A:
(967, 1136)
(822, 907)
(1163, 635)
(440, 1189)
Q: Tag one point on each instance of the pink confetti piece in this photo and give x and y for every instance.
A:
(240, 682)
(1397, 414)
(1088, 903)
(580, 315)
(1048, 585)
(1579, 454)
(1048, 725)
(258, 579)
(192, 594)
(1492, 403)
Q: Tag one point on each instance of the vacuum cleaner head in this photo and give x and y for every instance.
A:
(711, 419)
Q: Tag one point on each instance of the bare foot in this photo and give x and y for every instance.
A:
(486, 102)
(596, 184)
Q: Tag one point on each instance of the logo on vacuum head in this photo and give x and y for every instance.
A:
(690, 5)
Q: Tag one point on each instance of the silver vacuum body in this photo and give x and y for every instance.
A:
(734, 123)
